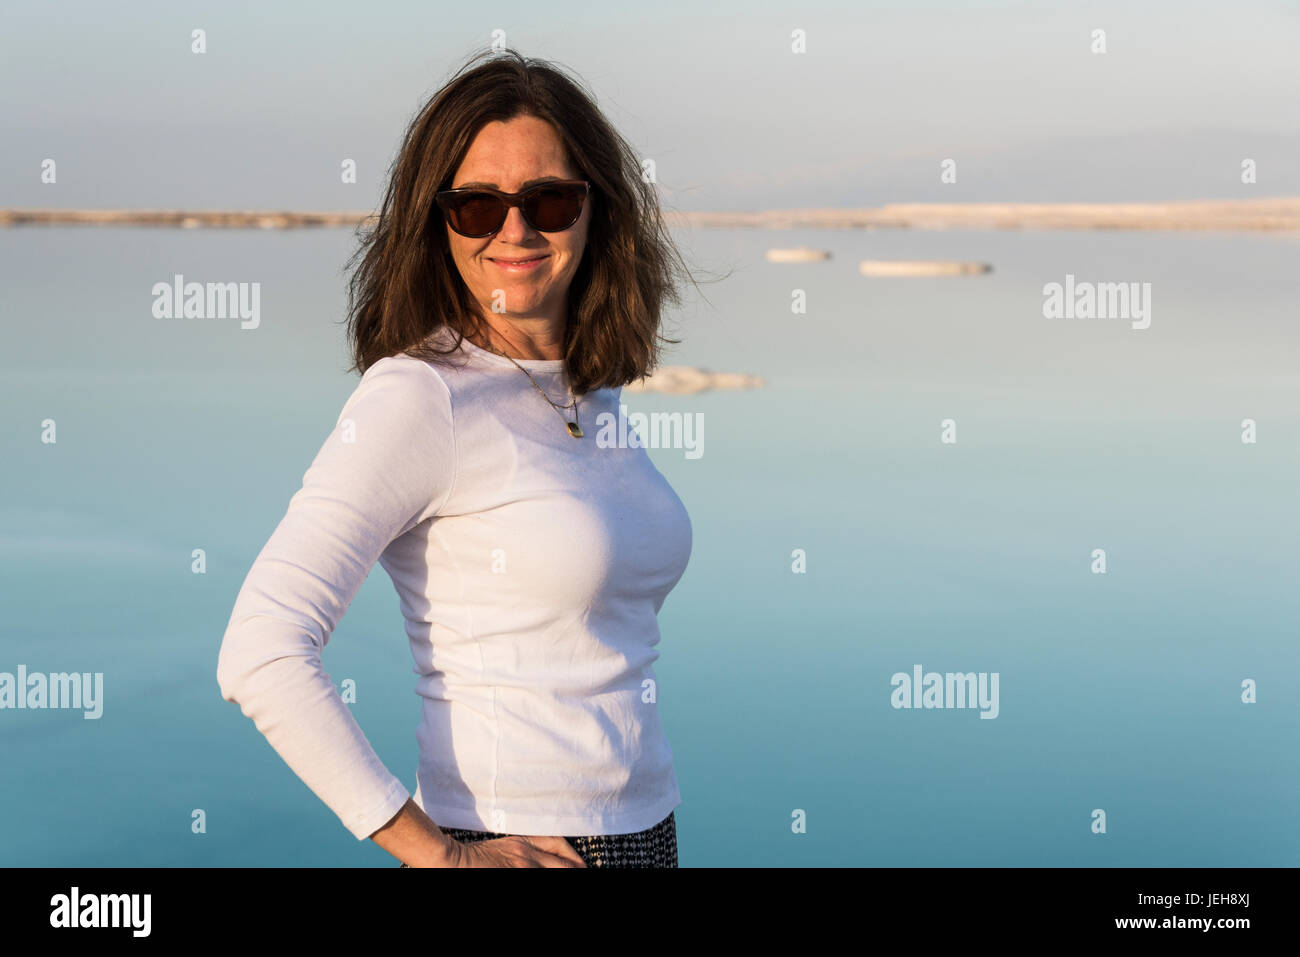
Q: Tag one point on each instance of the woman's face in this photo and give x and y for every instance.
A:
(507, 155)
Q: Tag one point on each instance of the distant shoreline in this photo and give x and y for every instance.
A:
(1246, 215)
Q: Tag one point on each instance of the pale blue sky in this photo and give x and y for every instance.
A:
(711, 91)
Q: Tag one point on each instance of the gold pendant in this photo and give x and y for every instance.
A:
(575, 430)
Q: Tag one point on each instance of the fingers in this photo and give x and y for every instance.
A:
(560, 848)
(518, 851)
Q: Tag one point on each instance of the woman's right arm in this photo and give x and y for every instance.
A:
(388, 464)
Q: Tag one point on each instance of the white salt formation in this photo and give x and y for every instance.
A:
(685, 380)
(800, 254)
(918, 267)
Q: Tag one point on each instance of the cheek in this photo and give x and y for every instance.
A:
(463, 253)
(471, 267)
(574, 251)
(575, 259)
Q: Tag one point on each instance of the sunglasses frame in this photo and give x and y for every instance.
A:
(444, 197)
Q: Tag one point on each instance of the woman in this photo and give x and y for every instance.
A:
(511, 285)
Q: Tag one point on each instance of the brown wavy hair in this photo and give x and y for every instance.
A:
(407, 286)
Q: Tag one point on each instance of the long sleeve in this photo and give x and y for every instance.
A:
(388, 465)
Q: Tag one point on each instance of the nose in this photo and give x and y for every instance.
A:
(515, 229)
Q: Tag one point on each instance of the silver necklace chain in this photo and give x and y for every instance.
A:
(575, 430)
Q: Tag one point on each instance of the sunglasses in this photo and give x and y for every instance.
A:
(479, 211)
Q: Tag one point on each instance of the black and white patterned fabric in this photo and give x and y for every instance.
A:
(654, 847)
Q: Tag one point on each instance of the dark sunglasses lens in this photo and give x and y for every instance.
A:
(552, 208)
(476, 214)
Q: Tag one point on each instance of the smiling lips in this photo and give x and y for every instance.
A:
(519, 265)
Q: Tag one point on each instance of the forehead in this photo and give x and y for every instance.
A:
(507, 153)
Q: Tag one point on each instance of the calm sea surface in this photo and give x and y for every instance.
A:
(1119, 691)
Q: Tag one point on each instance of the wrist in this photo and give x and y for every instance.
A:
(443, 852)
(414, 839)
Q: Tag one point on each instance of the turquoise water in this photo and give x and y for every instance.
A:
(1118, 691)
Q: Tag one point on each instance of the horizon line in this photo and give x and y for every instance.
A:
(1269, 214)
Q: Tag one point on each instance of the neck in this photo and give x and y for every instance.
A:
(521, 338)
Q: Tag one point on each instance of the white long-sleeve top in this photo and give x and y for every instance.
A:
(530, 567)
